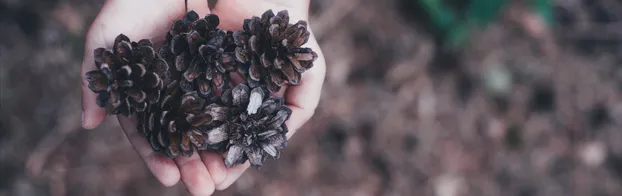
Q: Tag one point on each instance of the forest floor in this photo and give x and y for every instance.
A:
(522, 110)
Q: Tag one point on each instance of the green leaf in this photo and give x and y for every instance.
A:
(514, 137)
(442, 17)
(482, 12)
(545, 10)
(458, 36)
(456, 31)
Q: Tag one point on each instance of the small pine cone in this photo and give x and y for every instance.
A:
(270, 49)
(203, 54)
(256, 127)
(178, 124)
(128, 77)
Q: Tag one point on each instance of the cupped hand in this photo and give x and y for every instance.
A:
(203, 172)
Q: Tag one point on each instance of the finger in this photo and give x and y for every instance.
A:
(162, 167)
(215, 166)
(232, 12)
(304, 98)
(92, 114)
(194, 175)
(232, 175)
(199, 6)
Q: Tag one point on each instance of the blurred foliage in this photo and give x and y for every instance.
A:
(455, 25)
(514, 136)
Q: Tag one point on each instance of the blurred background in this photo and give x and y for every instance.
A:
(421, 98)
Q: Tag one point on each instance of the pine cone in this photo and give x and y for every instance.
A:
(128, 77)
(201, 52)
(270, 49)
(180, 122)
(256, 127)
(171, 90)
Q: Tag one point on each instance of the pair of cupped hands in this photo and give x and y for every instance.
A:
(204, 172)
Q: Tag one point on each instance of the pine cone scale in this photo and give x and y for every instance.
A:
(218, 134)
(266, 16)
(198, 140)
(194, 41)
(137, 95)
(295, 64)
(235, 156)
(293, 77)
(228, 61)
(284, 15)
(174, 145)
(193, 71)
(218, 80)
(200, 119)
(255, 156)
(204, 87)
(304, 54)
(278, 141)
(97, 80)
(254, 72)
(124, 51)
(219, 113)
(219, 67)
(271, 150)
(280, 118)
(273, 86)
(212, 21)
(186, 145)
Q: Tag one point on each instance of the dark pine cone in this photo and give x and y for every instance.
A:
(202, 53)
(128, 77)
(270, 49)
(256, 127)
(181, 121)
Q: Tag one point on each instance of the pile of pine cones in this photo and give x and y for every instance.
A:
(183, 95)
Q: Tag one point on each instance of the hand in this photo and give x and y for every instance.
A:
(203, 172)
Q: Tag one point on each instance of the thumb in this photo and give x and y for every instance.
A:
(92, 114)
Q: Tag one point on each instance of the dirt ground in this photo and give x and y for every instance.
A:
(522, 110)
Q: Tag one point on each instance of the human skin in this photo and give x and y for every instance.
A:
(204, 172)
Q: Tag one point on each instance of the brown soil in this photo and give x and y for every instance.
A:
(522, 110)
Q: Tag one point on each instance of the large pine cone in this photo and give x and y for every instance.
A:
(181, 121)
(256, 128)
(128, 77)
(202, 53)
(270, 49)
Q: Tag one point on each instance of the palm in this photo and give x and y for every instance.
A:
(202, 172)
